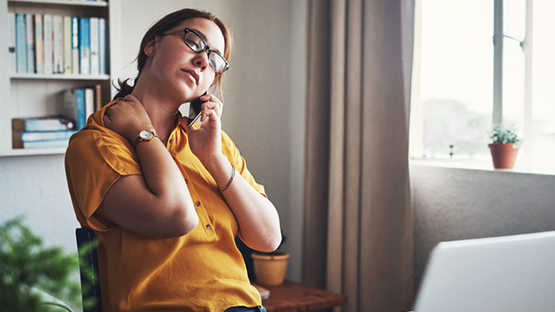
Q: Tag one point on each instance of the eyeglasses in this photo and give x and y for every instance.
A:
(195, 42)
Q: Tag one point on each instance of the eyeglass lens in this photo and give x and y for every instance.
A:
(197, 44)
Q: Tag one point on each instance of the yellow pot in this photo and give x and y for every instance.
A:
(270, 269)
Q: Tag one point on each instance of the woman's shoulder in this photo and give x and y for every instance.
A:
(98, 144)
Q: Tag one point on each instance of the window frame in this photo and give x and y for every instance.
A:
(416, 148)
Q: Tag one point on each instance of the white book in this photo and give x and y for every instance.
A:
(89, 102)
(47, 44)
(58, 44)
(102, 45)
(11, 42)
(39, 51)
(95, 61)
(30, 43)
(68, 65)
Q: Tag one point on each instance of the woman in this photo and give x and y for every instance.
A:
(165, 198)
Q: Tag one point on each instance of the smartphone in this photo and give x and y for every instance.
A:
(194, 110)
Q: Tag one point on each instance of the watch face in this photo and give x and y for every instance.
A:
(146, 135)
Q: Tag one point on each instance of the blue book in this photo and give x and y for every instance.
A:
(84, 45)
(75, 45)
(46, 123)
(21, 43)
(35, 136)
(81, 108)
(42, 144)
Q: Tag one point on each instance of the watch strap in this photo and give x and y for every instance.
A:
(138, 139)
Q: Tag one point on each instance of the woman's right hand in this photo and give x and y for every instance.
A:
(127, 117)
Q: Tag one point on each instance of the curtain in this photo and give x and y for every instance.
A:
(358, 227)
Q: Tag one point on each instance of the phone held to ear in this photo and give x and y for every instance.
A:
(194, 110)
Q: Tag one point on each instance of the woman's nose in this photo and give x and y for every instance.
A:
(201, 60)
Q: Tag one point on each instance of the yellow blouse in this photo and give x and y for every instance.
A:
(200, 271)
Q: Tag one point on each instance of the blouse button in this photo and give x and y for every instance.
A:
(198, 203)
(208, 226)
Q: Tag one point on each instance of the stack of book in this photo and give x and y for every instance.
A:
(41, 132)
(56, 44)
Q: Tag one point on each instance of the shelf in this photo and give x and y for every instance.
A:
(59, 77)
(33, 151)
(34, 95)
(64, 2)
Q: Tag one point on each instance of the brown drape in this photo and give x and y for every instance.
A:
(358, 219)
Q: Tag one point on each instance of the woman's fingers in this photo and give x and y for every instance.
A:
(212, 102)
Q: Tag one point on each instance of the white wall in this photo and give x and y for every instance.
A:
(264, 113)
(453, 204)
(35, 188)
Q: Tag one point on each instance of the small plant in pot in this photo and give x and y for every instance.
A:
(504, 147)
(270, 267)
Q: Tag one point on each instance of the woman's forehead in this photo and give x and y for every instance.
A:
(208, 30)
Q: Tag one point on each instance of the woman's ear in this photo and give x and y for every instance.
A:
(149, 48)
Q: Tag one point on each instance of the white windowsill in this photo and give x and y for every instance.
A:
(477, 164)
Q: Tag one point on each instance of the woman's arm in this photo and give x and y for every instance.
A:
(259, 225)
(156, 204)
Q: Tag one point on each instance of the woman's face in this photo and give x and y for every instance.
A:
(183, 73)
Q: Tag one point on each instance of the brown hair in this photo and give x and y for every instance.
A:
(169, 22)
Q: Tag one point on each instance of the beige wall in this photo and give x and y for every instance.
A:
(453, 204)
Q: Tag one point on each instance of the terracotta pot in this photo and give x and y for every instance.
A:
(270, 269)
(503, 154)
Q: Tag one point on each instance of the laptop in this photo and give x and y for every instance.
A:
(505, 274)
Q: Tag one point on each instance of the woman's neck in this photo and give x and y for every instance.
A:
(162, 113)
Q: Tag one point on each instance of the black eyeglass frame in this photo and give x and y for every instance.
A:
(206, 47)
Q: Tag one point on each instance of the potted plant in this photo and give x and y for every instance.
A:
(504, 147)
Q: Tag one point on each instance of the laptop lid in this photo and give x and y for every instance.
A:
(505, 274)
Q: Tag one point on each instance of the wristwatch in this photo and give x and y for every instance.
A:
(145, 136)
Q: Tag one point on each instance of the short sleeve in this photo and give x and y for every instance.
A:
(95, 159)
(232, 152)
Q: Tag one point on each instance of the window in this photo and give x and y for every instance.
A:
(458, 93)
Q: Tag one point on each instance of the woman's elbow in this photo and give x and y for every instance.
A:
(269, 243)
(180, 221)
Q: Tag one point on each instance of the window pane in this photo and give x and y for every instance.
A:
(543, 101)
(514, 26)
(457, 76)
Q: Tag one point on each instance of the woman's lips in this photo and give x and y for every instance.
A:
(193, 74)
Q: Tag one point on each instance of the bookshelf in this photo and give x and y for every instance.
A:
(25, 95)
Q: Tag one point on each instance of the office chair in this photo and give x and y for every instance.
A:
(88, 269)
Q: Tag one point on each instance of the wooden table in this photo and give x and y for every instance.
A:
(293, 297)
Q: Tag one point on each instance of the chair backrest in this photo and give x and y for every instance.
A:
(88, 269)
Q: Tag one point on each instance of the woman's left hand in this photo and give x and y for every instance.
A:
(206, 141)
